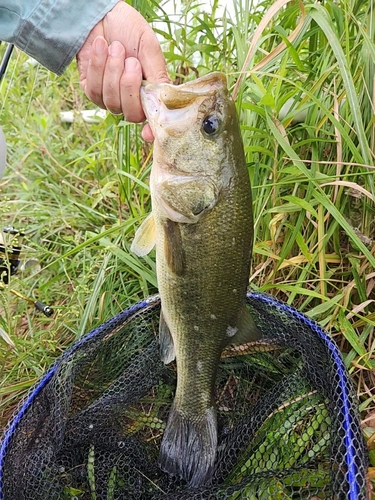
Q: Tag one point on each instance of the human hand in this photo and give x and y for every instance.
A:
(121, 51)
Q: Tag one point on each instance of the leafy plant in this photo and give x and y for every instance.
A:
(305, 96)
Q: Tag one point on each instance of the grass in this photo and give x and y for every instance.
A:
(79, 190)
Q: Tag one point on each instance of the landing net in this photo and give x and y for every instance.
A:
(288, 423)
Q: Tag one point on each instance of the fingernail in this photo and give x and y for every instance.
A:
(100, 45)
(132, 65)
(116, 49)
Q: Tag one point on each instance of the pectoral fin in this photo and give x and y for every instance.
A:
(145, 237)
(173, 248)
(167, 352)
(247, 331)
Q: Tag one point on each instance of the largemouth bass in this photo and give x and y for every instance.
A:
(202, 226)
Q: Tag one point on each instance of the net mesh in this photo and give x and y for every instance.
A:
(288, 424)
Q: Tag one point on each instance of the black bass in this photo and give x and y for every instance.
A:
(202, 226)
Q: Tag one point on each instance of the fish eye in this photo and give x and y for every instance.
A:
(210, 124)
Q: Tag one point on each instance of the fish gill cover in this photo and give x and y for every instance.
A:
(288, 424)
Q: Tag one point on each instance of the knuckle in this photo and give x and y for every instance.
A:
(133, 117)
(113, 105)
(115, 66)
(94, 95)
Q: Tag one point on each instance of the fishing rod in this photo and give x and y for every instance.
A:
(39, 306)
(10, 252)
(3, 67)
(5, 60)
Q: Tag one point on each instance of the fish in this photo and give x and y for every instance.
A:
(202, 228)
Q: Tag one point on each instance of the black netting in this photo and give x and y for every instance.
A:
(287, 417)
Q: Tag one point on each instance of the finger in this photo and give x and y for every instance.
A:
(152, 58)
(130, 85)
(141, 41)
(114, 69)
(147, 133)
(95, 71)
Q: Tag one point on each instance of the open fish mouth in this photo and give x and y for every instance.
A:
(175, 95)
(164, 103)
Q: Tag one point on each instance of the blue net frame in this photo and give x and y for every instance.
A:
(320, 364)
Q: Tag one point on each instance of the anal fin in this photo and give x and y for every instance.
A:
(167, 351)
(246, 329)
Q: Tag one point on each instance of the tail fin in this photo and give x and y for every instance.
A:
(189, 446)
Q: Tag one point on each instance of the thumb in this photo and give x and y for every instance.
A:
(128, 26)
(152, 59)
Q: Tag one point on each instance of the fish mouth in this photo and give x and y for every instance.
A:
(159, 98)
(180, 96)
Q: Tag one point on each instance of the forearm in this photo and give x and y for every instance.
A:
(51, 31)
